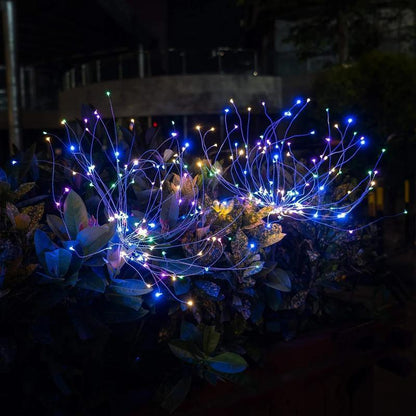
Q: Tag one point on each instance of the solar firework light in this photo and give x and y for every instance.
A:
(177, 203)
(267, 173)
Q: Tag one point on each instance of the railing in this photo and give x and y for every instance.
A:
(143, 64)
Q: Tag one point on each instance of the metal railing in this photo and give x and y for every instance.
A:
(143, 63)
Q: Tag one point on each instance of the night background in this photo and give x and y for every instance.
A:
(343, 343)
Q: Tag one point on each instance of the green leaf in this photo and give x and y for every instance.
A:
(189, 332)
(75, 214)
(91, 281)
(58, 262)
(279, 279)
(43, 244)
(57, 226)
(181, 286)
(133, 302)
(92, 239)
(129, 287)
(177, 395)
(185, 350)
(271, 236)
(254, 268)
(23, 189)
(210, 339)
(228, 362)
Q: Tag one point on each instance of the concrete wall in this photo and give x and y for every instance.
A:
(174, 95)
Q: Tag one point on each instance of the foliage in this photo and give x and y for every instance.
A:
(83, 329)
(379, 89)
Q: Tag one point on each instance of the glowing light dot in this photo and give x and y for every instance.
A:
(312, 132)
(190, 303)
(308, 100)
(405, 211)
(158, 294)
(72, 148)
(14, 162)
(198, 127)
(231, 101)
(350, 120)
(116, 154)
(48, 139)
(383, 150)
(63, 122)
(107, 93)
(66, 189)
(298, 101)
(226, 110)
(336, 126)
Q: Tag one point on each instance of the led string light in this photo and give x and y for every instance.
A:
(267, 173)
(264, 174)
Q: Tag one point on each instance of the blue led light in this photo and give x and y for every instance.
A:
(158, 294)
(116, 154)
(152, 225)
(14, 162)
(72, 147)
(226, 110)
(298, 101)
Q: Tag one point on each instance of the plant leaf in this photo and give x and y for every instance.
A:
(254, 268)
(185, 350)
(210, 339)
(279, 279)
(43, 244)
(58, 262)
(129, 287)
(57, 226)
(177, 394)
(133, 302)
(92, 239)
(91, 281)
(227, 362)
(189, 332)
(75, 214)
